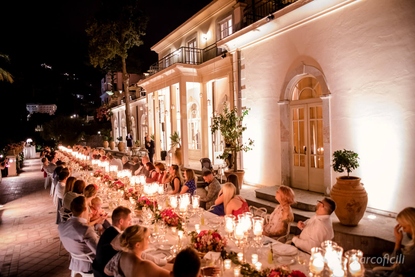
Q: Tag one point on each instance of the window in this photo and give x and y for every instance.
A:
(225, 28)
(192, 52)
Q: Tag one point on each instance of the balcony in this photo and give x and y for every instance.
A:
(257, 10)
(186, 55)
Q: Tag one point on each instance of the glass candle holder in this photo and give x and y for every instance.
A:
(227, 263)
(240, 256)
(258, 266)
(355, 265)
(254, 258)
(316, 264)
(236, 271)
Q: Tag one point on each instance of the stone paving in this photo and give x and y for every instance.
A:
(29, 240)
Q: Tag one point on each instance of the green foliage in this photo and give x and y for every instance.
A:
(175, 140)
(345, 160)
(4, 74)
(63, 130)
(229, 123)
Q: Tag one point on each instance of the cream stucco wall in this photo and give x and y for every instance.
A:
(366, 50)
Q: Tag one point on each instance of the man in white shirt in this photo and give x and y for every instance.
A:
(77, 236)
(316, 229)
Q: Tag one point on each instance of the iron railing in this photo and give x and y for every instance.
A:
(254, 11)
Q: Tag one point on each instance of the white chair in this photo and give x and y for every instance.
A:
(84, 258)
(64, 217)
(283, 238)
(48, 180)
(262, 212)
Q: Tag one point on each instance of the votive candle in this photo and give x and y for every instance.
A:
(254, 258)
(227, 263)
(258, 265)
(197, 228)
(180, 234)
(236, 271)
(240, 256)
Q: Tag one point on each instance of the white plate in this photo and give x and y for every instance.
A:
(284, 249)
(285, 260)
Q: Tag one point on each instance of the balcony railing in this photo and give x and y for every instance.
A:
(253, 12)
(186, 55)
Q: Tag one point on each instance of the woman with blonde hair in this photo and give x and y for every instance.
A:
(129, 263)
(404, 255)
(232, 203)
(283, 215)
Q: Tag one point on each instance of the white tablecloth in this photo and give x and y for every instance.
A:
(29, 152)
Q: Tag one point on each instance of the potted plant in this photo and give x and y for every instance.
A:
(105, 142)
(348, 193)
(176, 147)
(229, 123)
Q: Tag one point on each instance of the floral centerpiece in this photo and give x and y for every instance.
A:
(208, 240)
(117, 185)
(131, 192)
(250, 270)
(170, 217)
(145, 202)
(98, 173)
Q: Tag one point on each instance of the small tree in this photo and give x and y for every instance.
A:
(345, 160)
(116, 28)
(4, 74)
(229, 123)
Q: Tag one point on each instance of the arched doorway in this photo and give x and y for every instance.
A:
(307, 135)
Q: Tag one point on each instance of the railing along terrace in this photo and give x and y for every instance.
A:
(186, 55)
(257, 10)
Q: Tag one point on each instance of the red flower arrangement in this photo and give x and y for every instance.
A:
(131, 192)
(98, 173)
(145, 202)
(208, 240)
(281, 272)
(171, 218)
(117, 185)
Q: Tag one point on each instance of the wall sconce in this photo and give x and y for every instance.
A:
(208, 102)
(200, 95)
(141, 108)
(205, 37)
(270, 17)
(172, 107)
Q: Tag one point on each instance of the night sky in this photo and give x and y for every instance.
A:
(53, 32)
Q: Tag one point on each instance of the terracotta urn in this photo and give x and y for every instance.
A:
(112, 144)
(351, 200)
(105, 144)
(178, 156)
(121, 146)
(239, 173)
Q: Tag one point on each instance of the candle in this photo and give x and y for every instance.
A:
(239, 231)
(355, 267)
(236, 271)
(240, 256)
(338, 272)
(227, 263)
(258, 266)
(317, 265)
(180, 234)
(254, 258)
(197, 228)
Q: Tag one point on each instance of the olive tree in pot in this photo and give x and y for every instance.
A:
(176, 147)
(348, 193)
(229, 123)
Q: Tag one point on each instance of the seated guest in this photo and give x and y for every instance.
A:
(208, 198)
(114, 161)
(160, 169)
(59, 192)
(125, 163)
(77, 190)
(152, 173)
(134, 240)
(174, 178)
(142, 170)
(187, 264)
(190, 184)
(234, 180)
(90, 192)
(77, 237)
(121, 219)
(96, 212)
(282, 215)
(232, 203)
(318, 228)
(135, 164)
(406, 224)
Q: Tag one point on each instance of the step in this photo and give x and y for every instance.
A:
(373, 235)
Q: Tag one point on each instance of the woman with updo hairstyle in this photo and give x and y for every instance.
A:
(129, 262)
(282, 215)
(232, 203)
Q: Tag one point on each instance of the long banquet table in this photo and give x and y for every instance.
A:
(166, 241)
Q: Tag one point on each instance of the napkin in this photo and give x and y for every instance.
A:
(212, 256)
(158, 258)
